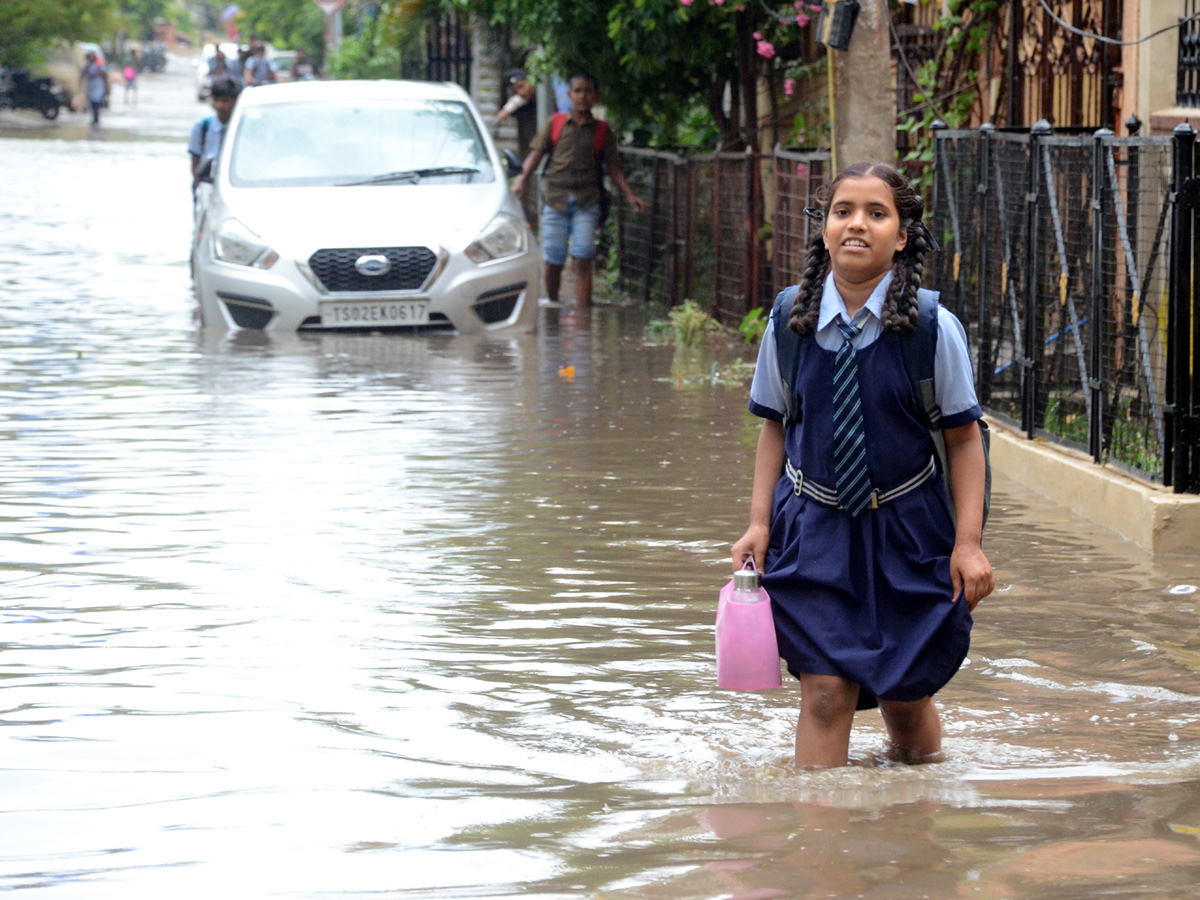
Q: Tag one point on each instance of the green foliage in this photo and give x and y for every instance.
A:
(293, 24)
(28, 26)
(1133, 444)
(658, 331)
(1131, 441)
(656, 60)
(753, 325)
(692, 324)
(138, 16)
(364, 55)
(949, 81)
(690, 367)
(810, 124)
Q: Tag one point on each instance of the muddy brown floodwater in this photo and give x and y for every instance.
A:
(361, 616)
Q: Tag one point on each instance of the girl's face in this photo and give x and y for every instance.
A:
(862, 229)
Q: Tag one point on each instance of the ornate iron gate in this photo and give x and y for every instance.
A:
(1055, 74)
(447, 53)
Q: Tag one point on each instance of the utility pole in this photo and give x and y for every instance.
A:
(864, 100)
(333, 23)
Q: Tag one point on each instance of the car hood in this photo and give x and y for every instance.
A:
(296, 221)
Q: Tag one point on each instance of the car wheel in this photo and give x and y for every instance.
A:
(50, 110)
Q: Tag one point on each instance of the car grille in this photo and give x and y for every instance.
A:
(410, 269)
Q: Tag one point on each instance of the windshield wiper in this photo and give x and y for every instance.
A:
(412, 176)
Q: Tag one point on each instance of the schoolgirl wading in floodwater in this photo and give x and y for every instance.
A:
(872, 605)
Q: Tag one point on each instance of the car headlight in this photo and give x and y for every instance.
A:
(503, 237)
(233, 242)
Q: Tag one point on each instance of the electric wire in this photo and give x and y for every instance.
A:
(1107, 40)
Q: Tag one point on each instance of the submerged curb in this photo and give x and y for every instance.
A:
(1150, 515)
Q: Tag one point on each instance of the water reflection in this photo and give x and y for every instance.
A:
(348, 615)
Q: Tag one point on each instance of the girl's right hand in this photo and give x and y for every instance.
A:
(752, 544)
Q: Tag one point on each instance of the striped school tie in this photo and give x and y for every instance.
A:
(849, 440)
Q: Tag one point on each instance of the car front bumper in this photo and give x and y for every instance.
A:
(461, 296)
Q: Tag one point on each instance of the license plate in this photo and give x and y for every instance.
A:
(373, 313)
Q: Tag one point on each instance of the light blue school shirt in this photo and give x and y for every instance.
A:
(212, 140)
(954, 381)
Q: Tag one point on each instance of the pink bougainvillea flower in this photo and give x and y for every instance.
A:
(802, 20)
(758, 35)
(801, 170)
(766, 49)
(789, 86)
(815, 7)
(687, 2)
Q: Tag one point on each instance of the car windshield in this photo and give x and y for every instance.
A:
(340, 142)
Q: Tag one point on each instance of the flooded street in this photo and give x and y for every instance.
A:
(360, 616)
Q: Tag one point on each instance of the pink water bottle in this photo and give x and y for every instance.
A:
(747, 651)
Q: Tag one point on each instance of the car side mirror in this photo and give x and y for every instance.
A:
(205, 173)
(513, 163)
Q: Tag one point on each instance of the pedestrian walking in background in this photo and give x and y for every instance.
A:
(303, 68)
(259, 69)
(219, 69)
(130, 74)
(521, 108)
(872, 575)
(93, 84)
(209, 132)
(581, 149)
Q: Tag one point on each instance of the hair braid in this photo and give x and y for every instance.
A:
(807, 308)
(900, 307)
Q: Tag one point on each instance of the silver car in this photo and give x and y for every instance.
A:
(361, 205)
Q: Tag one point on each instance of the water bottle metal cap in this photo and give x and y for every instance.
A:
(745, 580)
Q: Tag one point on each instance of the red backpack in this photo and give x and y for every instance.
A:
(559, 122)
(601, 136)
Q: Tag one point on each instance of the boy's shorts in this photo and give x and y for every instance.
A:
(579, 224)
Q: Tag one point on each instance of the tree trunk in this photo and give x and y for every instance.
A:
(865, 99)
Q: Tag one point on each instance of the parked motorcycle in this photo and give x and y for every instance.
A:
(19, 91)
(154, 57)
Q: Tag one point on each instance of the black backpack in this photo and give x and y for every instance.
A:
(919, 350)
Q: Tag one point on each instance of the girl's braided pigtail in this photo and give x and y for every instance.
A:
(899, 312)
(807, 308)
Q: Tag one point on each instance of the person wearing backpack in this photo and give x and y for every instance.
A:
(581, 149)
(259, 70)
(209, 132)
(130, 74)
(872, 569)
(94, 85)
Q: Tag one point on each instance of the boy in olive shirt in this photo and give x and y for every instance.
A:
(573, 188)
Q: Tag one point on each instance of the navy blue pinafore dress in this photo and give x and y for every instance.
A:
(866, 598)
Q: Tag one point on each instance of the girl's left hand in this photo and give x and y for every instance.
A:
(971, 574)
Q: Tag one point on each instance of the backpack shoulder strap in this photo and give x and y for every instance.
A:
(556, 127)
(920, 350)
(601, 137)
(205, 123)
(787, 351)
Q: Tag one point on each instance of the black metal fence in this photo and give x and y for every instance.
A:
(1069, 257)
(447, 53)
(1064, 257)
(713, 233)
(1187, 69)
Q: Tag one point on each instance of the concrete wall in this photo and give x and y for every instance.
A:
(1150, 515)
(1156, 66)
